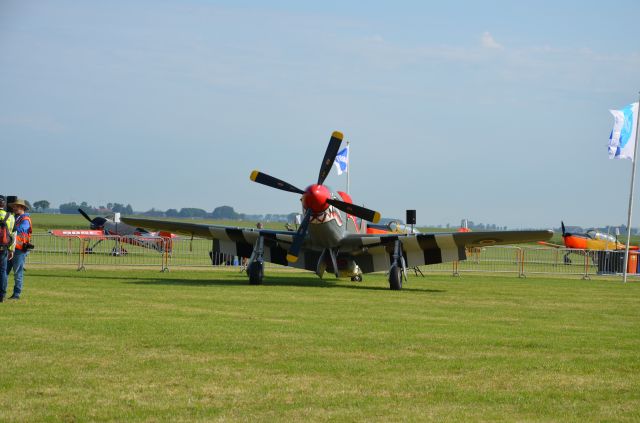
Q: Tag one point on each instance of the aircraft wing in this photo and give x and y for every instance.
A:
(226, 239)
(551, 244)
(373, 252)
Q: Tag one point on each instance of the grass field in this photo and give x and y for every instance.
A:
(202, 346)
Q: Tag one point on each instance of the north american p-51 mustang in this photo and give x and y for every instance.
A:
(328, 239)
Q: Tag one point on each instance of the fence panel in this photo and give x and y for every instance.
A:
(198, 252)
(121, 251)
(564, 261)
(498, 259)
(51, 250)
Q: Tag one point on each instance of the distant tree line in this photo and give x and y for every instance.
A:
(219, 213)
(72, 208)
(485, 226)
(41, 205)
(473, 226)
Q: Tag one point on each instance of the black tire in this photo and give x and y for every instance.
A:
(356, 278)
(395, 278)
(256, 273)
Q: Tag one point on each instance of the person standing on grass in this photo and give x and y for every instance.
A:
(22, 245)
(7, 245)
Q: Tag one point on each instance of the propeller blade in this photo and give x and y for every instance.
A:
(563, 231)
(298, 238)
(330, 156)
(96, 223)
(270, 181)
(86, 216)
(358, 211)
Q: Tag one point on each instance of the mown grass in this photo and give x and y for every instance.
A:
(202, 346)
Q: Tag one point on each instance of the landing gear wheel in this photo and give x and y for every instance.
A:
(356, 278)
(256, 273)
(395, 278)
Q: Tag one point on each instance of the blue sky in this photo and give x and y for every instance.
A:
(492, 111)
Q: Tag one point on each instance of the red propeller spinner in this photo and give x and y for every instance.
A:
(315, 198)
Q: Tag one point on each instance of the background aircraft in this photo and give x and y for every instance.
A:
(394, 227)
(590, 240)
(159, 241)
(325, 240)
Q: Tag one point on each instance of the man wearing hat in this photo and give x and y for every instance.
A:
(23, 244)
(6, 251)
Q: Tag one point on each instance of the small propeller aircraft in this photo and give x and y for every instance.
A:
(159, 241)
(592, 240)
(327, 239)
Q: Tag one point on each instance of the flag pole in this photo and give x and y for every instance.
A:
(348, 166)
(633, 177)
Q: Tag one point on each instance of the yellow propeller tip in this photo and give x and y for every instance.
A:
(291, 258)
(376, 217)
(254, 175)
(338, 135)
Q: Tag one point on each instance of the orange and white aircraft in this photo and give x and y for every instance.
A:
(590, 240)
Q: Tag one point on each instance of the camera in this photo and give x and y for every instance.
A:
(29, 246)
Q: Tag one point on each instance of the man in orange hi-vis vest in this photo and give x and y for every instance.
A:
(23, 244)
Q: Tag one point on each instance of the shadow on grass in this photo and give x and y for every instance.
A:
(240, 280)
(274, 281)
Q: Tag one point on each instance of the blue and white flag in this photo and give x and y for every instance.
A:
(622, 140)
(342, 161)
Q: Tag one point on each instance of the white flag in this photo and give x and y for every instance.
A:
(342, 161)
(622, 140)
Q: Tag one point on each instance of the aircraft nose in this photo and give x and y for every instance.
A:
(315, 198)
(98, 222)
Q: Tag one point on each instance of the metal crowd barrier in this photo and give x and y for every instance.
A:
(538, 260)
(113, 251)
(110, 251)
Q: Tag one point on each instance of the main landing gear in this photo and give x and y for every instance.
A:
(395, 278)
(398, 268)
(255, 269)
